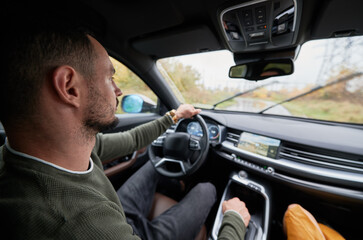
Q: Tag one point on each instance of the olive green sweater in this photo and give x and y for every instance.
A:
(39, 200)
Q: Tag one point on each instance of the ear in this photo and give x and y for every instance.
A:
(66, 83)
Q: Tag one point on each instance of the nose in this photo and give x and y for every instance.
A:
(118, 91)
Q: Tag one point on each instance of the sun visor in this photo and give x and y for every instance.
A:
(186, 41)
(339, 18)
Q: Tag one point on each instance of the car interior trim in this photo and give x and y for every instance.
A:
(327, 164)
(335, 176)
(295, 15)
(164, 160)
(337, 191)
(349, 193)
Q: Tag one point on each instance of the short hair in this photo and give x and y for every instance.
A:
(29, 56)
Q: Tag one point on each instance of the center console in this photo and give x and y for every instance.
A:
(257, 200)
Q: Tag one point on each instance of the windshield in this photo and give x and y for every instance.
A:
(328, 70)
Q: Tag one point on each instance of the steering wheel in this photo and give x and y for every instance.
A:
(181, 153)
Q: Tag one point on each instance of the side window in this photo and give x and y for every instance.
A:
(136, 97)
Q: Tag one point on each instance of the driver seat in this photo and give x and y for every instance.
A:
(161, 203)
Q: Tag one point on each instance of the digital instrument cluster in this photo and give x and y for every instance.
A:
(195, 129)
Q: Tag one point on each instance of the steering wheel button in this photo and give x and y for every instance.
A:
(194, 144)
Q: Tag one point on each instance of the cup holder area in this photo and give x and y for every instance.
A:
(257, 201)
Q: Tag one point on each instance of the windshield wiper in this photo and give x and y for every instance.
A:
(314, 89)
(242, 93)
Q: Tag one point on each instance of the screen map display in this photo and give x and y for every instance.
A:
(258, 144)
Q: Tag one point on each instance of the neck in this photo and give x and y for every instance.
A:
(65, 147)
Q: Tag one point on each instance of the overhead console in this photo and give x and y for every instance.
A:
(260, 24)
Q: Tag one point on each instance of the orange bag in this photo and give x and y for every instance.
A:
(299, 224)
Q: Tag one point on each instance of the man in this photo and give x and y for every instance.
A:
(57, 94)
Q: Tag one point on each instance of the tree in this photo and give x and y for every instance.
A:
(185, 78)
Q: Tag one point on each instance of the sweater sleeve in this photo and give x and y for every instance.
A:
(232, 227)
(113, 145)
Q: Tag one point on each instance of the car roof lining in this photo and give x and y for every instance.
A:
(191, 26)
(335, 19)
(196, 39)
(143, 31)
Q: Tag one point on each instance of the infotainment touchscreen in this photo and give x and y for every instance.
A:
(258, 144)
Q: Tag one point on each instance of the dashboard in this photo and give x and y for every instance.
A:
(303, 153)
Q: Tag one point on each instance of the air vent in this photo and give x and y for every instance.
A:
(322, 157)
(232, 137)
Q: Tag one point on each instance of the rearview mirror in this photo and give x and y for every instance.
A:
(135, 103)
(259, 70)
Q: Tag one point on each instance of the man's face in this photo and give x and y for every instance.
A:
(102, 93)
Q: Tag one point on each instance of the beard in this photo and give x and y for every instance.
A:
(100, 115)
(93, 123)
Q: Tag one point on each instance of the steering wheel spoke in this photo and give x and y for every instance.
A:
(163, 161)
